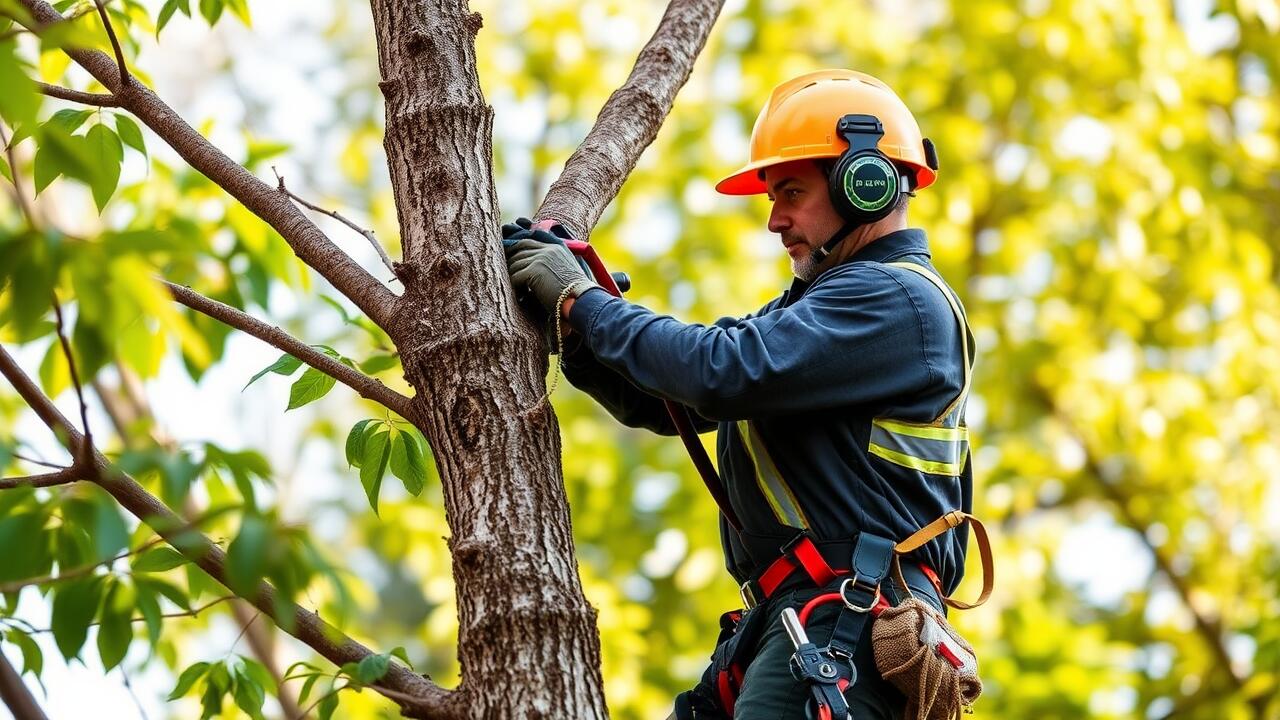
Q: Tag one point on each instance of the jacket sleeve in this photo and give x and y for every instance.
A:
(855, 337)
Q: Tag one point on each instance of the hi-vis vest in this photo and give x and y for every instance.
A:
(940, 447)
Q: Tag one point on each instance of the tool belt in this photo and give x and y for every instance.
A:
(915, 648)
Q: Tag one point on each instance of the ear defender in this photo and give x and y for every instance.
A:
(864, 184)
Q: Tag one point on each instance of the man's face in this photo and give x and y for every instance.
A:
(802, 212)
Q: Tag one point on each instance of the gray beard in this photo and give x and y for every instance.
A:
(806, 267)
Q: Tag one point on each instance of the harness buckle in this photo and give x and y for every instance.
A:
(747, 595)
(859, 586)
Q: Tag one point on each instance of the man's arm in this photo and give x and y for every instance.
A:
(856, 337)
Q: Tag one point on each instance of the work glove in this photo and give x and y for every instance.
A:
(541, 265)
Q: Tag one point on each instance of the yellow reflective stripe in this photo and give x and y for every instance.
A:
(775, 489)
(915, 463)
(932, 432)
(964, 328)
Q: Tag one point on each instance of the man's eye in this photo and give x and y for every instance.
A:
(793, 194)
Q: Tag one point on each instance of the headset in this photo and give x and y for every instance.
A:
(864, 183)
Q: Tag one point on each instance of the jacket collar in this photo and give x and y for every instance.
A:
(886, 248)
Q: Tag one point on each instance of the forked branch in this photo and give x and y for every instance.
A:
(310, 244)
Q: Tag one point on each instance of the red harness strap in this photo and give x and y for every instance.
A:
(801, 553)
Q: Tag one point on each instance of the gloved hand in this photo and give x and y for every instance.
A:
(540, 264)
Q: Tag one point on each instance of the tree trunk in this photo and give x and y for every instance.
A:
(478, 370)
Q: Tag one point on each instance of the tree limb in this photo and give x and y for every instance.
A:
(309, 243)
(631, 118)
(431, 700)
(125, 79)
(61, 477)
(15, 694)
(366, 386)
(84, 98)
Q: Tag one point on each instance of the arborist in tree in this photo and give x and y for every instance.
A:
(842, 447)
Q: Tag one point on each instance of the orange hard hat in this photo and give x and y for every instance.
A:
(799, 123)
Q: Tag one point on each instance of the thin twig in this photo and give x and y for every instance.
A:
(125, 78)
(194, 612)
(35, 461)
(75, 572)
(368, 234)
(84, 98)
(129, 686)
(62, 477)
(83, 457)
(368, 387)
(244, 629)
(23, 201)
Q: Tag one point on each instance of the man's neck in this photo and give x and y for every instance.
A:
(861, 237)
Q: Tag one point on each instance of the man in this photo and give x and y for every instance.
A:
(839, 405)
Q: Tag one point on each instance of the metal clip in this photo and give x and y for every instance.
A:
(849, 604)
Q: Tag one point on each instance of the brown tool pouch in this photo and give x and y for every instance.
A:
(918, 651)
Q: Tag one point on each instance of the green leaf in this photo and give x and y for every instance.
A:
(355, 443)
(211, 10)
(373, 667)
(284, 365)
(130, 133)
(110, 535)
(166, 12)
(74, 607)
(69, 120)
(60, 153)
(248, 693)
(107, 153)
(247, 555)
(172, 592)
(150, 609)
(32, 655)
(377, 449)
(328, 705)
(5, 171)
(399, 652)
(115, 627)
(24, 530)
(407, 464)
(307, 685)
(54, 373)
(158, 559)
(19, 102)
(378, 363)
(260, 151)
(188, 678)
(312, 386)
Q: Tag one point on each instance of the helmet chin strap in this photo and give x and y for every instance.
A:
(822, 252)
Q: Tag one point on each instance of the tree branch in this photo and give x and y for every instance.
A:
(309, 243)
(363, 384)
(432, 700)
(15, 694)
(125, 79)
(85, 98)
(631, 118)
(61, 477)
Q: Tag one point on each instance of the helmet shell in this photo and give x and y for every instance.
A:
(799, 123)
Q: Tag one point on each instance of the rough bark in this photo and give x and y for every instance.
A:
(495, 438)
(478, 371)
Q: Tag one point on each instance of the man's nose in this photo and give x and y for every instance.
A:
(779, 221)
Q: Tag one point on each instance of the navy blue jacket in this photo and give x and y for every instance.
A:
(840, 404)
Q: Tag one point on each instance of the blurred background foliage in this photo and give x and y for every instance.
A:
(1107, 208)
